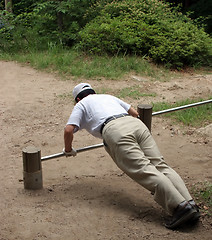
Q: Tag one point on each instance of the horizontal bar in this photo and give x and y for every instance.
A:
(181, 107)
(57, 155)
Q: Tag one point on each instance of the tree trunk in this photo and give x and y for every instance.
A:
(8, 6)
(60, 18)
(60, 21)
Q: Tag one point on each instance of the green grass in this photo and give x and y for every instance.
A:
(195, 117)
(202, 192)
(76, 64)
(133, 92)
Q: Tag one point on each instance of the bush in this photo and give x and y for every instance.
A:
(17, 33)
(35, 24)
(148, 27)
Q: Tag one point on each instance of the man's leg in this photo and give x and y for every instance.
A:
(151, 151)
(127, 154)
(121, 138)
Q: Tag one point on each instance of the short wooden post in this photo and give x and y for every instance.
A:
(32, 169)
(145, 114)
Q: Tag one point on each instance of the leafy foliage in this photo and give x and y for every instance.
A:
(147, 27)
(199, 10)
(61, 20)
(39, 23)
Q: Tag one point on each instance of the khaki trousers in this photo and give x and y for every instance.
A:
(132, 147)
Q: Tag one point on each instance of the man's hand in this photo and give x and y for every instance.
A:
(133, 112)
(72, 153)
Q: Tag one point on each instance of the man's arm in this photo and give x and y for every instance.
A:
(133, 112)
(68, 137)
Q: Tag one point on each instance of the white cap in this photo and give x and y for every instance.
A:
(80, 88)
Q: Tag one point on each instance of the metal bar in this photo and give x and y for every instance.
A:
(57, 155)
(181, 107)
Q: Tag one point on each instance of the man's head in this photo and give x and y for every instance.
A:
(82, 90)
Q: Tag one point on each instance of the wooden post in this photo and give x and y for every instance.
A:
(32, 169)
(145, 114)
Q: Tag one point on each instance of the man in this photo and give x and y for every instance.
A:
(132, 147)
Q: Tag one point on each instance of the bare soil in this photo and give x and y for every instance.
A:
(87, 197)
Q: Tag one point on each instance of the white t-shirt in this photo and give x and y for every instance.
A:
(92, 111)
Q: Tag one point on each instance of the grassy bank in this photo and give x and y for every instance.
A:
(198, 116)
(76, 64)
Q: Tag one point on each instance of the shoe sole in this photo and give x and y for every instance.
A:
(188, 216)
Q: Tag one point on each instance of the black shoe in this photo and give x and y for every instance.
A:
(183, 213)
(198, 214)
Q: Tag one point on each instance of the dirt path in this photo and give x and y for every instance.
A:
(88, 197)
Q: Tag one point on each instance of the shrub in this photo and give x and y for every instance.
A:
(148, 27)
(35, 24)
(17, 33)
